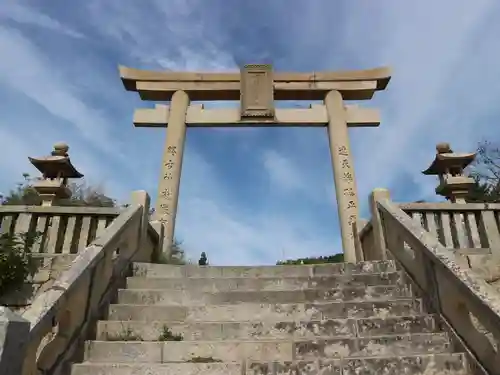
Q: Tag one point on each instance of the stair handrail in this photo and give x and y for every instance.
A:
(61, 318)
(451, 291)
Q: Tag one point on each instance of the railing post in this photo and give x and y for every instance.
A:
(161, 249)
(379, 243)
(359, 225)
(142, 198)
(14, 335)
(489, 229)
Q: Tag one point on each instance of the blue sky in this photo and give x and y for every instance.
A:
(248, 196)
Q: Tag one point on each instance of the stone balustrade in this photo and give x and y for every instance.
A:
(429, 241)
(64, 230)
(50, 333)
(467, 305)
(470, 229)
(449, 253)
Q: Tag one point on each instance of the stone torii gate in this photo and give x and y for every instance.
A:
(256, 87)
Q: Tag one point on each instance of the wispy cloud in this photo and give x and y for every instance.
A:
(16, 12)
(248, 195)
(283, 175)
(433, 67)
(27, 70)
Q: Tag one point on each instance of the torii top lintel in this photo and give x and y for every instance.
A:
(160, 86)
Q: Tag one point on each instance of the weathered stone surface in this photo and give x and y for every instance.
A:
(14, 334)
(147, 313)
(151, 330)
(366, 309)
(195, 297)
(124, 351)
(157, 369)
(438, 364)
(265, 350)
(264, 283)
(421, 343)
(265, 311)
(335, 319)
(54, 261)
(163, 270)
(391, 325)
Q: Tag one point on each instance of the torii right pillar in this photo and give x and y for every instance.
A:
(343, 172)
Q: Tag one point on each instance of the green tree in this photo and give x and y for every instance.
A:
(82, 195)
(16, 262)
(337, 258)
(482, 192)
(486, 172)
(177, 255)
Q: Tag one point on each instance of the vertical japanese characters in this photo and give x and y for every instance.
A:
(348, 191)
(166, 194)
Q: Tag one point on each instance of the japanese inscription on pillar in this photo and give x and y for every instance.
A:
(257, 92)
(349, 188)
(166, 193)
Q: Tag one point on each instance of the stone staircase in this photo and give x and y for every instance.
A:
(350, 319)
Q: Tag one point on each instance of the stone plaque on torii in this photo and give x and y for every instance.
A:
(256, 86)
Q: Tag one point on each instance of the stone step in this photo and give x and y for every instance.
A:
(265, 311)
(434, 364)
(265, 350)
(166, 270)
(195, 297)
(266, 330)
(227, 284)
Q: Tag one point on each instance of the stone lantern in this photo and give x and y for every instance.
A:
(449, 167)
(56, 169)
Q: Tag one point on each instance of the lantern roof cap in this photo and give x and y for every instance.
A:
(446, 158)
(57, 164)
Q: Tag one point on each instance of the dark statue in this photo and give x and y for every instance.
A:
(203, 260)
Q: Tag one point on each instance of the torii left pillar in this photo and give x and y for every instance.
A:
(170, 176)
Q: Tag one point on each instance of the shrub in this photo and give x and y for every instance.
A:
(337, 258)
(16, 261)
(82, 195)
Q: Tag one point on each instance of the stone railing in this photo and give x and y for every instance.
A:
(50, 334)
(64, 230)
(471, 229)
(468, 307)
